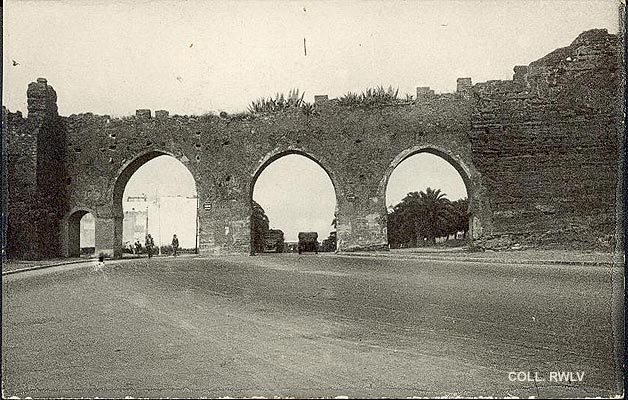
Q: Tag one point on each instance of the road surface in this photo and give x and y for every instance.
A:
(310, 325)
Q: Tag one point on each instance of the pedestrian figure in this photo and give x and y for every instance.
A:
(101, 264)
(149, 245)
(175, 245)
(138, 247)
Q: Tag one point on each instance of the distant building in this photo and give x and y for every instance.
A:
(135, 219)
(134, 226)
(162, 218)
(88, 231)
(137, 199)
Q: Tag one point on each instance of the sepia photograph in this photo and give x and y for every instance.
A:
(313, 199)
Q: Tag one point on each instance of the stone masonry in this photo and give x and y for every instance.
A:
(539, 155)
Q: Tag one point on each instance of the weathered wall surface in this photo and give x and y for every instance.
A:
(21, 173)
(537, 154)
(36, 175)
(546, 144)
(356, 146)
(51, 177)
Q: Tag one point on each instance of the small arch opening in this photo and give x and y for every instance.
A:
(81, 234)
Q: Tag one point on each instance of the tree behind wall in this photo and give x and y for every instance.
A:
(461, 216)
(424, 216)
(438, 213)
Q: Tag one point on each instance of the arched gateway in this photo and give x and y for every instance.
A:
(540, 163)
(71, 232)
(469, 175)
(277, 154)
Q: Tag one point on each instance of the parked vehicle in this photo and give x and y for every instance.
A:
(308, 241)
(274, 241)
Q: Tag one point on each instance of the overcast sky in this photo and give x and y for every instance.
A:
(296, 202)
(190, 57)
(193, 57)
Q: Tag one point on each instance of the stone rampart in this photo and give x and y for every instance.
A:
(538, 155)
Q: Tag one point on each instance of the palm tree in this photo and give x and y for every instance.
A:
(405, 222)
(437, 210)
(422, 215)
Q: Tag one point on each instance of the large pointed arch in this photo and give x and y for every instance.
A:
(122, 178)
(463, 169)
(277, 154)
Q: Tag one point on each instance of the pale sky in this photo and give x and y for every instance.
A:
(296, 202)
(192, 57)
(161, 176)
(165, 176)
(420, 171)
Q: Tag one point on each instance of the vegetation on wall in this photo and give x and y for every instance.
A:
(370, 97)
(278, 103)
(294, 100)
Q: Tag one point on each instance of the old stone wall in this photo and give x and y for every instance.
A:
(546, 144)
(51, 165)
(537, 154)
(36, 176)
(21, 180)
(356, 146)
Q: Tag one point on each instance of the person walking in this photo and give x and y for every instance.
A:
(175, 245)
(138, 247)
(149, 245)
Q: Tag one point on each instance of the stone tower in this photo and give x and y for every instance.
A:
(50, 200)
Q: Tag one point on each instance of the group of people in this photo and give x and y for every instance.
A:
(150, 245)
